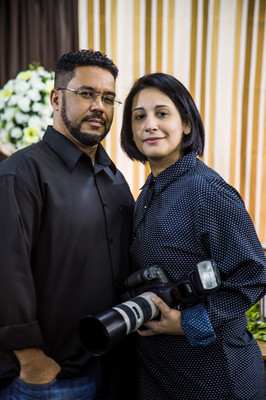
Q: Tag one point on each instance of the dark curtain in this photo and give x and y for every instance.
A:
(35, 31)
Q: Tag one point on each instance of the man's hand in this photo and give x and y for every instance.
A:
(169, 322)
(36, 367)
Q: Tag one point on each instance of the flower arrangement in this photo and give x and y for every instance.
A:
(25, 109)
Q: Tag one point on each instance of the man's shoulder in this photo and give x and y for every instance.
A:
(22, 159)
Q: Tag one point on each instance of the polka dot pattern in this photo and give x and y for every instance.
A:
(187, 214)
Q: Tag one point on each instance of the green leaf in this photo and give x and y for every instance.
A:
(254, 323)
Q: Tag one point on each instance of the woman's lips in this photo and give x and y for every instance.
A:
(153, 140)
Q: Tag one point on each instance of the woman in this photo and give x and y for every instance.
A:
(187, 213)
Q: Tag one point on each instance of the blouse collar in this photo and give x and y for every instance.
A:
(172, 173)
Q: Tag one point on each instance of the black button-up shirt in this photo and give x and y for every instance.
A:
(65, 227)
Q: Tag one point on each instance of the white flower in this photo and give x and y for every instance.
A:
(16, 133)
(24, 103)
(25, 109)
(34, 94)
(9, 126)
(2, 103)
(37, 107)
(13, 100)
(46, 110)
(37, 83)
(30, 135)
(9, 113)
(34, 122)
(25, 75)
(7, 147)
(47, 100)
(21, 118)
(21, 87)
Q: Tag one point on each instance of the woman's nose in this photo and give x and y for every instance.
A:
(151, 124)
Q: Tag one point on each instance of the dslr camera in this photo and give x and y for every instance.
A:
(99, 333)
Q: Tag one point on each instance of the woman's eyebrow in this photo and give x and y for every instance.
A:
(138, 108)
(157, 106)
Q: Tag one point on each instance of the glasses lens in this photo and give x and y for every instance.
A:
(109, 100)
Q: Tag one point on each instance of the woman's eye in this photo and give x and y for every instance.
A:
(139, 117)
(162, 114)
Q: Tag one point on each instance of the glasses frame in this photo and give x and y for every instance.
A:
(79, 92)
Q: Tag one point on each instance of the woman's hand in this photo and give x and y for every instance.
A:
(36, 367)
(169, 323)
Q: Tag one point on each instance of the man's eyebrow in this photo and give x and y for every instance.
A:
(94, 90)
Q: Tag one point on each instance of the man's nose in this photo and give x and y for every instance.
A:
(97, 103)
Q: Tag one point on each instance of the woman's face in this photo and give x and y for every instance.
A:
(157, 127)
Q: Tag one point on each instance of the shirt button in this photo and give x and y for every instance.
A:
(111, 240)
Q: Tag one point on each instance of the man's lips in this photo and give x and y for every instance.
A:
(95, 121)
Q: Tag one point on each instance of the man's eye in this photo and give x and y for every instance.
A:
(86, 94)
(108, 99)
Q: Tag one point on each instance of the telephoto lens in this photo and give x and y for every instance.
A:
(99, 333)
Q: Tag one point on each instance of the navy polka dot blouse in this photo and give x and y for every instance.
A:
(185, 215)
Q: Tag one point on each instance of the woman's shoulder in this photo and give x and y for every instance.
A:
(210, 183)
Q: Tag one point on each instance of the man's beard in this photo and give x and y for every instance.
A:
(87, 139)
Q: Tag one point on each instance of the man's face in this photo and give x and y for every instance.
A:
(87, 121)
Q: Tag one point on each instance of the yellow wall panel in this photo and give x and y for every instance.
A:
(225, 75)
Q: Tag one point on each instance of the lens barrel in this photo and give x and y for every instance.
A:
(99, 333)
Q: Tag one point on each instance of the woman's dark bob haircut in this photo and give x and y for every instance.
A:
(176, 91)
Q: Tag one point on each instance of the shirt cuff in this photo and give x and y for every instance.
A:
(17, 337)
(197, 326)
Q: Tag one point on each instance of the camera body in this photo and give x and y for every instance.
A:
(154, 279)
(99, 333)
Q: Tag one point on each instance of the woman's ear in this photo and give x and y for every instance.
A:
(187, 129)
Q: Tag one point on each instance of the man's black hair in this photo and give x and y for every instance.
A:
(67, 64)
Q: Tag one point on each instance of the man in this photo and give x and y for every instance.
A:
(65, 218)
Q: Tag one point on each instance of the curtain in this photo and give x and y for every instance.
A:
(35, 31)
(217, 49)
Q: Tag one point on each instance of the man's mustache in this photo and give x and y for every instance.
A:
(94, 116)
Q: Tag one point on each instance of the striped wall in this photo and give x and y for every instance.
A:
(217, 48)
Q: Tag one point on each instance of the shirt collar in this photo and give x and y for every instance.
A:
(172, 173)
(71, 154)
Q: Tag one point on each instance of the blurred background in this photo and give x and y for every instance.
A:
(216, 48)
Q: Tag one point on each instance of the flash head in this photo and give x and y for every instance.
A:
(207, 277)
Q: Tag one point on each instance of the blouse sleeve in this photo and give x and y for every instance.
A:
(228, 236)
(19, 224)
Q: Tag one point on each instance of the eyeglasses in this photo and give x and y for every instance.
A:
(90, 95)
